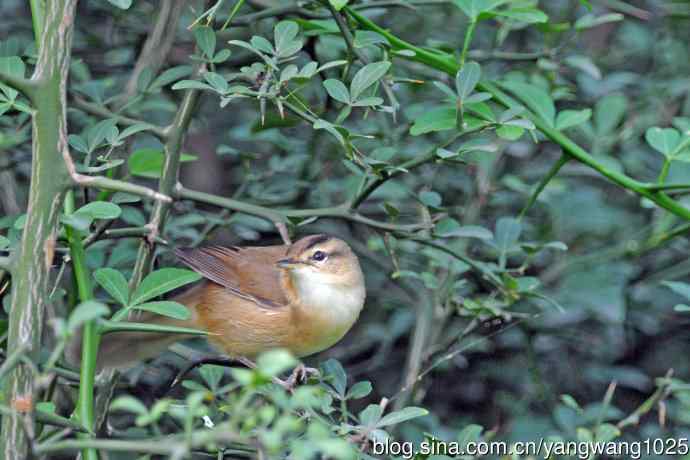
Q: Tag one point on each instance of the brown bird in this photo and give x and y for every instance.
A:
(303, 297)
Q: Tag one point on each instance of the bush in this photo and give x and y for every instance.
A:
(512, 174)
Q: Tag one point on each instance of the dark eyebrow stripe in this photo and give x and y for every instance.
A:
(318, 239)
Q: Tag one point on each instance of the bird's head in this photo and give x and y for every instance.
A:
(322, 259)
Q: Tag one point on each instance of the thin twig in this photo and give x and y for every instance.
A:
(662, 391)
(23, 85)
(157, 45)
(105, 183)
(562, 160)
(277, 216)
(102, 111)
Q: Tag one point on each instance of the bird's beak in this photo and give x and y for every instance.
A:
(288, 263)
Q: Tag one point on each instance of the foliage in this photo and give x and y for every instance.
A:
(512, 173)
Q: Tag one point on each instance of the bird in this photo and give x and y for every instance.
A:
(303, 297)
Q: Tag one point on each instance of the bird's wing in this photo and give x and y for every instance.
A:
(248, 272)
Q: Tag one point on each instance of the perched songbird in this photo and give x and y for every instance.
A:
(303, 297)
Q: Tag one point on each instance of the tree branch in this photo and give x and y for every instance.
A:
(175, 446)
(102, 111)
(173, 149)
(113, 185)
(158, 43)
(23, 85)
(6, 264)
(277, 216)
(400, 169)
(562, 160)
(34, 256)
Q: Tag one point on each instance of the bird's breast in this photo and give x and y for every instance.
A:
(324, 314)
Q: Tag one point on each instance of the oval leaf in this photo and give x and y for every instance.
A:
(162, 281)
(114, 283)
(402, 415)
(86, 311)
(367, 76)
(166, 308)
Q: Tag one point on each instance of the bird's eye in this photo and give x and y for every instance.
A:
(318, 256)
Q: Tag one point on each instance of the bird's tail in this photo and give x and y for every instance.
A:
(119, 350)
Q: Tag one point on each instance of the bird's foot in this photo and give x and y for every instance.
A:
(300, 374)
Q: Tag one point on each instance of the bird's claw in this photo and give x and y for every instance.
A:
(300, 374)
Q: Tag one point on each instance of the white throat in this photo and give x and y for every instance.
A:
(319, 293)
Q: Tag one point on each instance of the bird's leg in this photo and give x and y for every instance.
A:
(299, 374)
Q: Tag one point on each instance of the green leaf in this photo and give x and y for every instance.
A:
(148, 162)
(682, 289)
(368, 102)
(526, 15)
(86, 311)
(162, 281)
(77, 143)
(609, 111)
(606, 432)
(467, 78)
(367, 76)
(473, 8)
(402, 415)
(337, 90)
(334, 373)
(114, 283)
(122, 326)
(359, 390)
(122, 4)
(170, 75)
(509, 132)
(288, 73)
(430, 198)
(14, 66)
(263, 45)
(364, 38)
(570, 402)
(284, 35)
(508, 232)
(454, 230)
(129, 404)
(370, 416)
(471, 433)
(664, 140)
(4, 242)
(100, 210)
(273, 362)
(97, 133)
(323, 124)
(76, 221)
(192, 84)
(219, 83)
(535, 97)
(212, 374)
(338, 4)
(569, 118)
(166, 308)
(135, 128)
(206, 40)
(436, 119)
(589, 20)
